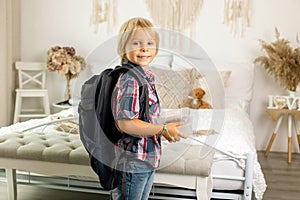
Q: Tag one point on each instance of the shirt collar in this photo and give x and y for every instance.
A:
(135, 67)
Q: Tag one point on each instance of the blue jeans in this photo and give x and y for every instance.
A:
(137, 183)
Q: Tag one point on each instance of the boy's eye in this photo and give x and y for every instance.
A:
(136, 43)
(151, 43)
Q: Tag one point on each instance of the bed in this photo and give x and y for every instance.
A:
(235, 172)
(228, 87)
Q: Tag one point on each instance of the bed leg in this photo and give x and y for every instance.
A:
(11, 183)
(248, 176)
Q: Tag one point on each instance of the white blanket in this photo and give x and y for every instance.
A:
(235, 134)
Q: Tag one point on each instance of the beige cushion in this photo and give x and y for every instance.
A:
(54, 147)
(64, 148)
(180, 158)
(174, 85)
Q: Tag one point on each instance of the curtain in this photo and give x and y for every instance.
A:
(9, 53)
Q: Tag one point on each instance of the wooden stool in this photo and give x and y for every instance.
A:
(32, 81)
(293, 117)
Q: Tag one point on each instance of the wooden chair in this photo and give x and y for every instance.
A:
(32, 81)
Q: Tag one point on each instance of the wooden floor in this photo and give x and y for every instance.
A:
(37, 193)
(283, 182)
(283, 179)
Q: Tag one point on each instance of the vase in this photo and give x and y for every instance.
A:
(68, 88)
(292, 93)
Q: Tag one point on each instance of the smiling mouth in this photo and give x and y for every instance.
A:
(143, 57)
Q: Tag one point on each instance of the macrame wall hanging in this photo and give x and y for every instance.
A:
(104, 11)
(176, 15)
(236, 16)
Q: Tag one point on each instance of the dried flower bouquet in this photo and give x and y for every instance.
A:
(282, 61)
(65, 62)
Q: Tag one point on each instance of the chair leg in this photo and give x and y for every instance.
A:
(289, 149)
(290, 124)
(270, 144)
(46, 104)
(273, 136)
(18, 105)
(297, 130)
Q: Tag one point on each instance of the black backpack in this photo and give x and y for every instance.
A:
(97, 128)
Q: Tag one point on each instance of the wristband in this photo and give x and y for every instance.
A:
(164, 130)
(170, 136)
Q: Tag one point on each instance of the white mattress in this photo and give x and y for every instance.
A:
(228, 168)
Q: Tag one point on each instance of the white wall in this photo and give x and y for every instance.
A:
(67, 22)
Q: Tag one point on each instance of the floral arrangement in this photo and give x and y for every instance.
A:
(65, 62)
(282, 61)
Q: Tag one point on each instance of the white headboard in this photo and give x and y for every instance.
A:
(223, 81)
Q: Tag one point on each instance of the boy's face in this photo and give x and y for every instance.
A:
(141, 47)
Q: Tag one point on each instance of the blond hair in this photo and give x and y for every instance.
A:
(127, 30)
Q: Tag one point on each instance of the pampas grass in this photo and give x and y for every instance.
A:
(281, 61)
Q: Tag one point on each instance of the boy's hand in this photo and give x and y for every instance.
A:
(172, 134)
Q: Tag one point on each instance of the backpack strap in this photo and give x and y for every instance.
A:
(143, 89)
(144, 100)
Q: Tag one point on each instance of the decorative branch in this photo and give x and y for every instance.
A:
(236, 15)
(104, 11)
(175, 15)
(282, 61)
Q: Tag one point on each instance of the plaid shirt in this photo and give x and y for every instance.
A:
(125, 105)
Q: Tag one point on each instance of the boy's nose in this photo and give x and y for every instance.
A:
(143, 49)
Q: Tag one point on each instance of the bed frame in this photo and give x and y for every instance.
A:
(246, 179)
(55, 177)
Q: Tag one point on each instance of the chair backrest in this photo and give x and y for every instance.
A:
(31, 75)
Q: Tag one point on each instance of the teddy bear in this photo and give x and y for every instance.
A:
(195, 100)
(186, 102)
(198, 94)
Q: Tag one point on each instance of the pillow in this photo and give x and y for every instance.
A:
(163, 60)
(202, 83)
(224, 75)
(205, 66)
(190, 62)
(239, 88)
(174, 85)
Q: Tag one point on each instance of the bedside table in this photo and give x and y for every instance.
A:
(293, 118)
